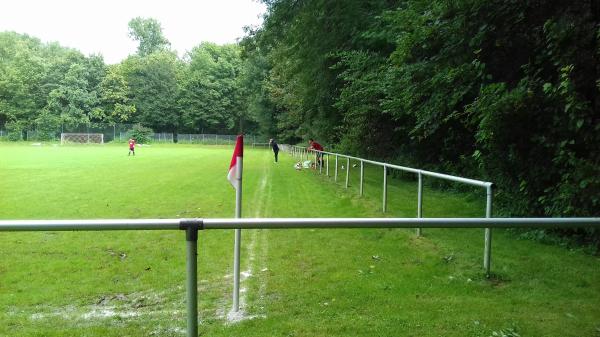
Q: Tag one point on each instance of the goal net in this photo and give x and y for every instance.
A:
(85, 138)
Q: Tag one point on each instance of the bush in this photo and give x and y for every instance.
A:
(46, 126)
(141, 134)
(15, 131)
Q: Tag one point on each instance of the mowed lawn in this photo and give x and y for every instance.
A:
(360, 282)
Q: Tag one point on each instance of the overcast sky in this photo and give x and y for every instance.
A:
(100, 26)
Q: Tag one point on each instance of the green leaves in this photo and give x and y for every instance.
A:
(148, 32)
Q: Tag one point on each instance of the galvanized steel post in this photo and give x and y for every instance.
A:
(420, 201)
(384, 188)
(487, 253)
(362, 175)
(192, 288)
(321, 164)
(336, 168)
(347, 171)
(191, 237)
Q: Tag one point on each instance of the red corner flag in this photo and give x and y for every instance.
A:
(235, 169)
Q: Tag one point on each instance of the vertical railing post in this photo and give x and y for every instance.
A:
(362, 176)
(320, 159)
(347, 171)
(420, 201)
(328, 165)
(336, 168)
(191, 238)
(487, 253)
(384, 188)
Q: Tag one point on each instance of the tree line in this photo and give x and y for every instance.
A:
(44, 85)
(506, 91)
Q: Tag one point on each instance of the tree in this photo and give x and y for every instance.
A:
(72, 100)
(148, 33)
(212, 97)
(154, 84)
(117, 106)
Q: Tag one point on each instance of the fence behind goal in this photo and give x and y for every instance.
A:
(121, 133)
(82, 138)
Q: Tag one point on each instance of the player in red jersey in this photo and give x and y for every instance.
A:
(131, 146)
(312, 145)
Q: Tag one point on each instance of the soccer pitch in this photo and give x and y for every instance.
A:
(361, 282)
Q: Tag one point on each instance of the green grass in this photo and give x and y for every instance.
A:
(363, 282)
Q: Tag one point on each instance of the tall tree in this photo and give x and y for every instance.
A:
(148, 32)
(212, 97)
(154, 83)
(117, 106)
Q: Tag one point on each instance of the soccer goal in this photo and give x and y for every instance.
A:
(85, 138)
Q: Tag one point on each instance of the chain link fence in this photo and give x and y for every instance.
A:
(122, 132)
(110, 132)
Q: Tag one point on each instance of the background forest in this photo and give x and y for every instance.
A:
(505, 91)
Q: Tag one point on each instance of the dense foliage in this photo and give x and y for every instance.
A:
(46, 86)
(506, 91)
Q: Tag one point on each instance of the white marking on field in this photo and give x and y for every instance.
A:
(163, 305)
(108, 313)
(246, 274)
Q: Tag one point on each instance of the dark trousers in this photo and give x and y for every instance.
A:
(276, 153)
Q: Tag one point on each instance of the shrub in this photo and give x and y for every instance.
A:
(46, 125)
(141, 134)
(15, 130)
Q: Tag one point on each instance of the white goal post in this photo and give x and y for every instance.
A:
(85, 138)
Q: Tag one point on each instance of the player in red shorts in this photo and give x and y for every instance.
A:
(131, 146)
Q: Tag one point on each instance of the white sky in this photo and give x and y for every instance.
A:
(100, 26)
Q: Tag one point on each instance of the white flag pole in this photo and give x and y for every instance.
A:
(238, 235)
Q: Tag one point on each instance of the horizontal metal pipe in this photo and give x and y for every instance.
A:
(468, 181)
(249, 223)
(89, 225)
(399, 222)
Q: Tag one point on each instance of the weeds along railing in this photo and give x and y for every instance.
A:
(304, 153)
(192, 226)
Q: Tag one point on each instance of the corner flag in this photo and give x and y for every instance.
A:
(235, 178)
(235, 174)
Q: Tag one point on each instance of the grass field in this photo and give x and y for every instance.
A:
(363, 282)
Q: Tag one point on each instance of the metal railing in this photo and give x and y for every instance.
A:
(192, 226)
(304, 153)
